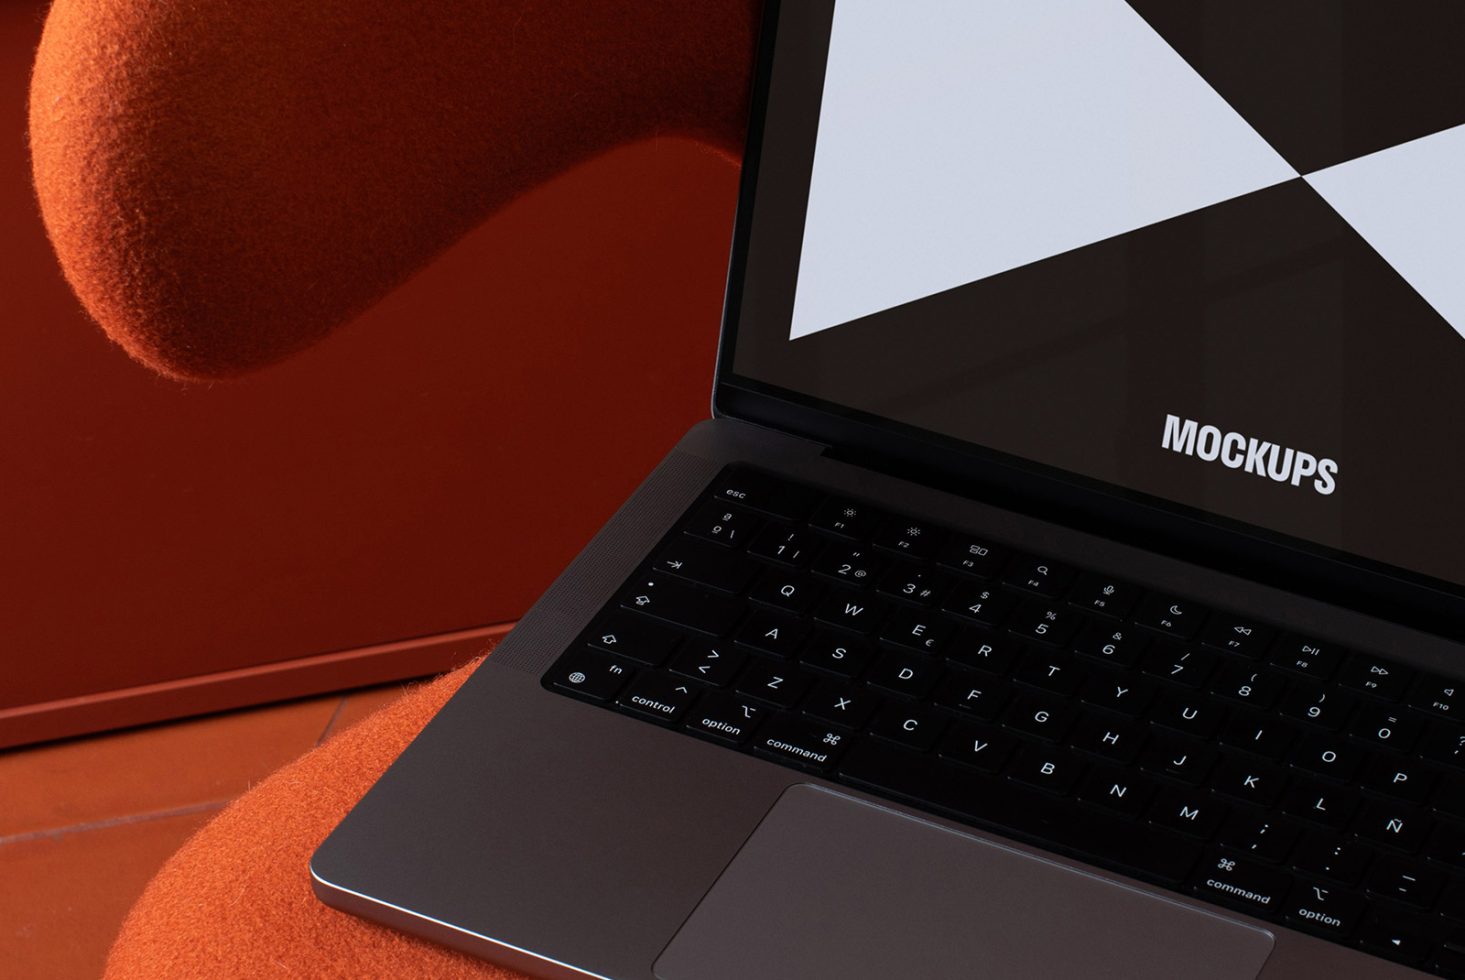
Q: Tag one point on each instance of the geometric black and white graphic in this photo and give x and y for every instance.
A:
(962, 139)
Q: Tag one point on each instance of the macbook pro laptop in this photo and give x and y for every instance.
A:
(1070, 581)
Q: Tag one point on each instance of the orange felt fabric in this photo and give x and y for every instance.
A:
(235, 901)
(225, 183)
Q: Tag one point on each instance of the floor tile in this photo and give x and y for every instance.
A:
(362, 703)
(63, 897)
(158, 768)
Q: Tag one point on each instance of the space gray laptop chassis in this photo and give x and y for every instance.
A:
(557, 837)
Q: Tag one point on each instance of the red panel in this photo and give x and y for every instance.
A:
(429, 468)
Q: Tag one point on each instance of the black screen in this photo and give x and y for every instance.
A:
(1207, 252)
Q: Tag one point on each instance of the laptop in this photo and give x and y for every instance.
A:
(1070, 580)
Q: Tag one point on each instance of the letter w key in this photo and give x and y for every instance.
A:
(851, 610)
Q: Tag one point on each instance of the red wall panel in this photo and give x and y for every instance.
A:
(428, 469)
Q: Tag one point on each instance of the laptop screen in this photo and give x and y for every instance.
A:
(1211, 253)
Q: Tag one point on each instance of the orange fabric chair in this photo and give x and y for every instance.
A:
(227, 183)
(236, 900)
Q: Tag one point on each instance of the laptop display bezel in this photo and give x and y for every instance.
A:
(1043, 491)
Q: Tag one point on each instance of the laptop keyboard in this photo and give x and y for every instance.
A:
(1150, 734)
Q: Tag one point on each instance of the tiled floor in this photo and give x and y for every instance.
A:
(85, 823)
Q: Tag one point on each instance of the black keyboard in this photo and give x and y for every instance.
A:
(1190, 747)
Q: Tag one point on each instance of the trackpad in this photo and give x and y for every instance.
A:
(830, 886)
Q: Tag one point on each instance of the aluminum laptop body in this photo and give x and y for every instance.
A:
(1075, 389)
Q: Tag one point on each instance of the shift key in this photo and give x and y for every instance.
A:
(681, 603)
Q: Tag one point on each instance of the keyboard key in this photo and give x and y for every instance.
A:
(1052, 624)
(1126, 694)
(776, 684)
(984, 650)
(709, 661)
(913, 583)
(1049, 670)
(1384, 938)
(1328, 756)
(854, 566)
(784, 544)
(1445, 745)
(1404, 881)
(634, 638)
(1012, 808)
(915, 538)
(589, 674)
(983, 747)
(1306, 657)
(1180, 664)
(851, 610)
(1327, 709)
(681, 603)
(847, 518)
(1039, 716)
(1185, 759)
(1393, 825)
(801, 741)
(1260, 837)
(1104, 595)
(1187, 713)
(724, 717)
(1247, 885)
(1452, 904)
(773, 633)
(706, 564)
(1324, 908)
(1330, 856)
(1437, 696)
(1320, 802)
(836, 653)
(1249, 781)
(1236, 635)
(979, 603)
(1447, 846)
(729, 526)
(908, 674)
(787, 591)
(970, 694)
(661, 698)
(1380, 726)
(1050, 769)
(766, 493)
(1125, 793)
(1117, 646)
(1191, 812)
(1402, 778)
(974, 557)
(1245, 684)
(1259, 734)
(1380, 678)
(1179, 618)
(917, 629)
(911, 725)
(1046, 578)
(1114, 741)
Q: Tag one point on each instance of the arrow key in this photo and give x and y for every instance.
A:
(1380, 935)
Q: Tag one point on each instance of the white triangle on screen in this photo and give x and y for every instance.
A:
(959, 139)
(1408, 202)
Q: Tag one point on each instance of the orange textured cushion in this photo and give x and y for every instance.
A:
(235, 901)
(225, 183)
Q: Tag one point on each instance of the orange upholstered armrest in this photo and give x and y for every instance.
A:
(226, 182)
